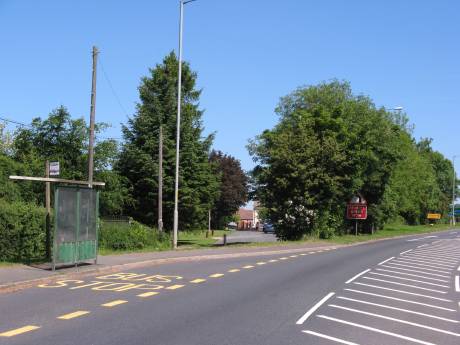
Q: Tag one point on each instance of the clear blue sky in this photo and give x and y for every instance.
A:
(247, 54)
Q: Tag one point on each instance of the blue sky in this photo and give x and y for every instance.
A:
(247, 54)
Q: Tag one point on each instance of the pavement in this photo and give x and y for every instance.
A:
(398, 291)
(248, 236)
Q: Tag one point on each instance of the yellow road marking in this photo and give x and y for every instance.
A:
(216, 275)
(114, 303)
(273, 260)
(234, 270)
(17, 331)
(248, 266)
(197, 281)
(284, 258)
(174, 287)
(148, 294)
(73, 315)
(261, 263)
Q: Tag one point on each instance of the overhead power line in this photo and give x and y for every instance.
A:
(114, 93)
(15, 122)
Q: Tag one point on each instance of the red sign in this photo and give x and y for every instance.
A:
(356, 211)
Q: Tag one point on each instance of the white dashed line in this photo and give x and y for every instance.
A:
(407, 251)
(457, 283)
(381, 263)
(357, 276)
(314, 308)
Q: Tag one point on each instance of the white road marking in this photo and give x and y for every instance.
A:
(314, 308)
(458, 269)
(430, 257)
(381, 263)
(422, 266)
(419, 268)
(412, 275)
(401, 300)
(395, 320)
(409, 279)
(425, 262)
(423, 245)
(457, 283)
(409, 270)
(405, 292)
(419, 239)
(399, 309)
(376, 330)
(328, 337)
(402, 284)
(439, 252)
(357, 276)
(407, 251)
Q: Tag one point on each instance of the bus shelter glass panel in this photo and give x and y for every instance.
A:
(75, 230)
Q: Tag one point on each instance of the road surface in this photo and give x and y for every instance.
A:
(400, 291)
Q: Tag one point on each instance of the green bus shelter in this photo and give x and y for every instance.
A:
(75, 225)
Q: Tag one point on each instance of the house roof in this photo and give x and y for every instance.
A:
(246, 214)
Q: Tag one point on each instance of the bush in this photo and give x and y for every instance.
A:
(22, 231)
(125, 236)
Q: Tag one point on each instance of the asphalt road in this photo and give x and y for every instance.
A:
(401, 291)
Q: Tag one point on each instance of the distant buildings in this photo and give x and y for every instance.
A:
(248, 219)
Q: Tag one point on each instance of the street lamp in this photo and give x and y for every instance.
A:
(453, 191)
(179, 89)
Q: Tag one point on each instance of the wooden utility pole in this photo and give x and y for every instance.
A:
(160, 180)
(92, 120)
(48, 212)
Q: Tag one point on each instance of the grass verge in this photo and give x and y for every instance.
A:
(391, 230)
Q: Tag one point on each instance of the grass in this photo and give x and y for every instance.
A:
(391, 230)
(187, 240)
(198, 239)
(5, 264)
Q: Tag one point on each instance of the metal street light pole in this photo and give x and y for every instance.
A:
(179, 89)
(453, 191)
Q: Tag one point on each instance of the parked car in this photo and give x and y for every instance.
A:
(268, 228)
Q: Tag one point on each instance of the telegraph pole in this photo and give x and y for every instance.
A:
(160, 180)
(92, 120)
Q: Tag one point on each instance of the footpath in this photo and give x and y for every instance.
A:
(17, 277)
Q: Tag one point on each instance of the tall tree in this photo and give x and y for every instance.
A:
(233, 188)
(198, 184)
(328, 145)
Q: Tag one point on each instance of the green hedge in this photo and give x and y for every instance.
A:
(124, 236)
(22, 231)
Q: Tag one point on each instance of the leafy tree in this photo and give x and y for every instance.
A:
(61, 138)
(328, 146)
(139, 157)
(233, 188)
